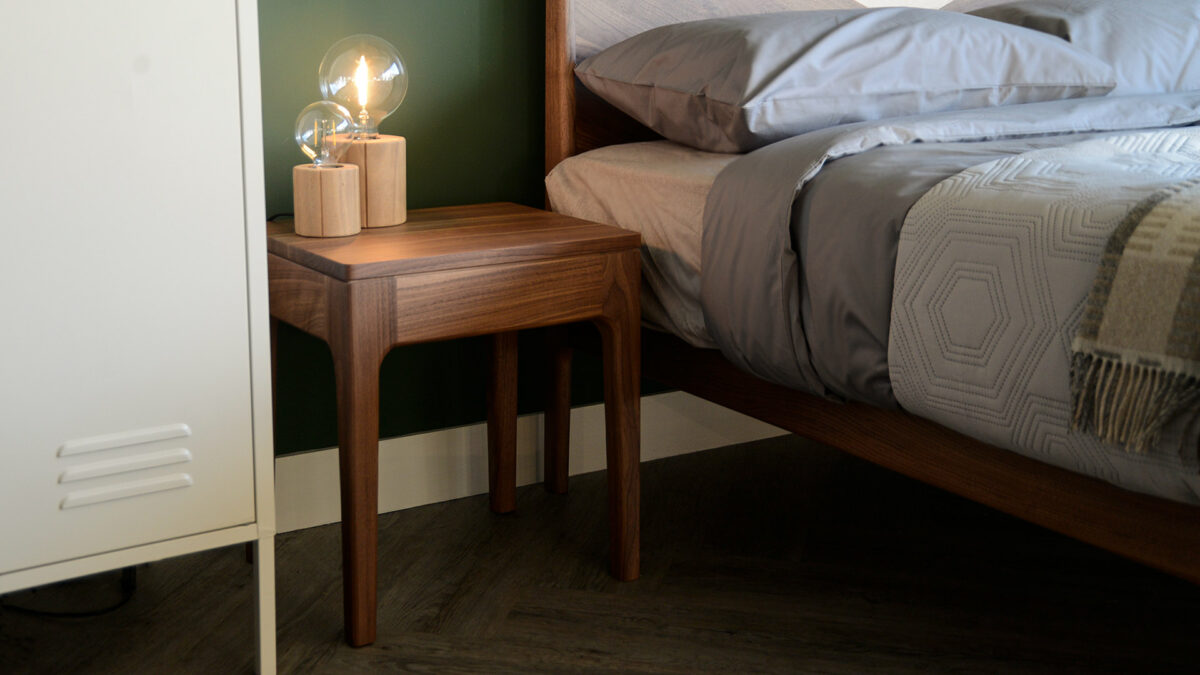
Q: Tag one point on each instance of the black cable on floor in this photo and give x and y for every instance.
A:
(128, 586)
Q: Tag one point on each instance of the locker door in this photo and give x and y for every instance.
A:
(124, 351)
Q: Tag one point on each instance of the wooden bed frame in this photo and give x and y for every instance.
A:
(1154, 531)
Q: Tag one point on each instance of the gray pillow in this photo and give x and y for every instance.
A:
(1153, 45)
(738, 83)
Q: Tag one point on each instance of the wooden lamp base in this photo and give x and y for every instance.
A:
(326, 200)
(383, 188)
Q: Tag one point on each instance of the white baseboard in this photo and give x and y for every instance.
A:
(451, 463)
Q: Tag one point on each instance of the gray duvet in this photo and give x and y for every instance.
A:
(800, 250)
(851, 212)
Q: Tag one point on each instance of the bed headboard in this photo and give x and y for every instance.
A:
(576, 119)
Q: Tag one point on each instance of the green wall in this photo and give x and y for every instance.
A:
(473, 120)
(473, 114)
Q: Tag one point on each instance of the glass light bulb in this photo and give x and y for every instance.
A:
(365, 74)
(323, 132)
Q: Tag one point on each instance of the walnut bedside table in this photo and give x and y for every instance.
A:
(455, 272)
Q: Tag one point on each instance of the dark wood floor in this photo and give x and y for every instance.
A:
(777, 556)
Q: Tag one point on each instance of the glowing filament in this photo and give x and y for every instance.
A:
(360, 81)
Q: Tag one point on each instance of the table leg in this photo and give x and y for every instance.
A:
(502, 423)
(357, 371)
(558, 411)
(620, 332)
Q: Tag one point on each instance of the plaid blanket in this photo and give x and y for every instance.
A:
(1136, 356)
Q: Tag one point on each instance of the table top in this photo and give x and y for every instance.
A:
(451, 237)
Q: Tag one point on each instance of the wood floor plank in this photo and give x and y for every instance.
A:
(776, 556)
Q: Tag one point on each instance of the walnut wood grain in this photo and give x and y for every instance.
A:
(450, 238)
(560, 88)
(620, 327)
(484, 300)
(456, 272)
(358, 346)
(502, 423)
(558, 410)
(599, 124)
(576, 119)
(299, 296)
(1154, 531)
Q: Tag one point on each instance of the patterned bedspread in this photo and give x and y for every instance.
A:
(964, 312)
(992, 272)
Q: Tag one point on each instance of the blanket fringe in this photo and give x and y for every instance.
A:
(1125, 403)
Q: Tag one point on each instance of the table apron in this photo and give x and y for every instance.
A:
(445, 304)
(497, 298)
(300, 296)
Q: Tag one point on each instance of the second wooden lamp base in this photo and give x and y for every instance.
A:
(326, 200)
(382, 179)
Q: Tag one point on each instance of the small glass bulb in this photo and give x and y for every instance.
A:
(365, 74)
(323, 132)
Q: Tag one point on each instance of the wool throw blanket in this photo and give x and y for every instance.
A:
(1136, 356)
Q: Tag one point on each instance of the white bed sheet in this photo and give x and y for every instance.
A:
(656, 188)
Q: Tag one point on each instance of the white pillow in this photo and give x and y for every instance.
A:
(1153, 45)
(737, 83)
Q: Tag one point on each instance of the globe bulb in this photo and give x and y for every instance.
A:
(323, 132)
(365, 74)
